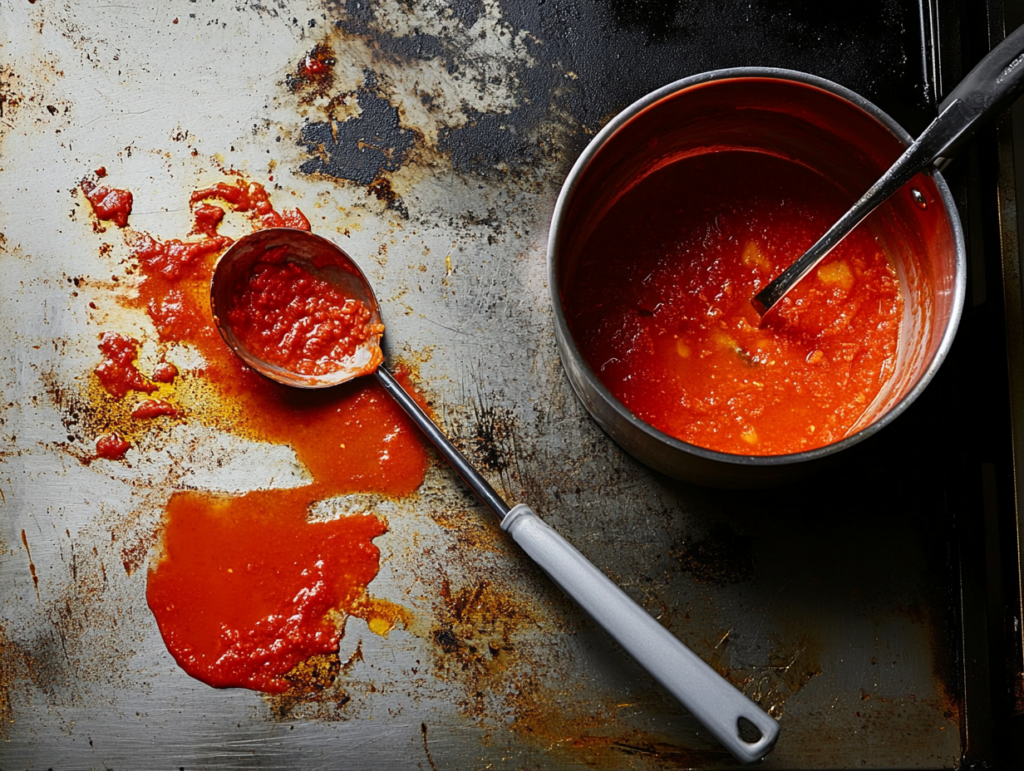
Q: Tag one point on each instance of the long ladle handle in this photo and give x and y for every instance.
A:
(739, 724)
(736, 721)
(988, 89)
(473, 479)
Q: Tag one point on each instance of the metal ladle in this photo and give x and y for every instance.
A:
(987, 90)
(739, 724)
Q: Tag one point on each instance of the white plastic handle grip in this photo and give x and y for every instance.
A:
(709, 697)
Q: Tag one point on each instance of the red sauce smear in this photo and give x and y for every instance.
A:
(251, 198)
(247, 587)
(108, 203)
(148, 409)
(164, 372)
(287, 316)
(659, 304)
(111, 446)
(117, 372)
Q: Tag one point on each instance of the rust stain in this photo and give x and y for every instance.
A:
(474, 640)
(381, 616)
(790, 665)
(132, 557)
(592, 738)
(426, 747)
(472, 532)
(31, 565)
(316, 690)
(11, 666)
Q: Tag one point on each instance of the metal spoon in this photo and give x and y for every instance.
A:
(990, 88)
(739, 724)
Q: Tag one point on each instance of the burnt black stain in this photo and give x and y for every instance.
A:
(656, 18)
(363, 149)
(446, 640)
(356, 17)
(491, 143)
(382, 190)
(493, 437)
(722, 557)
(590, 60)
(467, 11)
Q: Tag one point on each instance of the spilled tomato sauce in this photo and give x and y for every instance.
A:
(164, 372)
(659, 304)
(117, 372)
(111, 447)
(109, 203)
(148, 409)
(247, 587)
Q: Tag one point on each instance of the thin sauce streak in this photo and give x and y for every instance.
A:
(31, 564)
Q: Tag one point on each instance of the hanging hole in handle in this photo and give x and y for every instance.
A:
(749, 732)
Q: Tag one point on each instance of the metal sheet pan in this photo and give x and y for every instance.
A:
(433, 154)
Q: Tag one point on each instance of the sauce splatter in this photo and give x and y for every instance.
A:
(659, 305)
(109, 203)
(247, 587)
(148, 409)
(250, 198)
(164, 372)
(111, 446)
(117, 372)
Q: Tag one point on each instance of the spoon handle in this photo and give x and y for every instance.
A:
(988, 89)
(709, 697)
(719, 706)
(473, 478)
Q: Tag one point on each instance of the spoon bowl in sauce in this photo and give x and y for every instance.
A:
(299, 311)
(991, 87)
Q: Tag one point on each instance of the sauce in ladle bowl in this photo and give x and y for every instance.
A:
(297, 309)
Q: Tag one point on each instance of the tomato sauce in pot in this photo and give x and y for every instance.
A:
(659, 304)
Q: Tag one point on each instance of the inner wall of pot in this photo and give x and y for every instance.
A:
(807, 125)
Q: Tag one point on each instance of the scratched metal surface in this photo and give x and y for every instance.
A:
(433, 154)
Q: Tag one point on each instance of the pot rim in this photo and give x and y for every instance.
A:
(565, 338)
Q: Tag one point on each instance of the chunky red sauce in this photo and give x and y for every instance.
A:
(287, 316)
(250, 198)
(247, 587)
(117, 372)
(109, 203)
(111, 446)
(164, 372)
(153, 408)
(659, 304)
